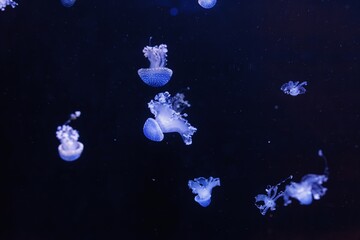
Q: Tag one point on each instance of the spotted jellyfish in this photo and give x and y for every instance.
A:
(70, 148)
(68, 3)
(4, 3)
(309, 188)
(203, 188)
(294, 88)
(207, 3)
(157, 75)
(269, 200)
(168, 118)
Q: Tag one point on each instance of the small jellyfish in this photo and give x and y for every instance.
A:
(294, 88)
(269, 199)
(203, 187)
(70, 148)
(309, 188)
(207, 3)
(4, 3)
(157, 74)
(168, 118)
(68, 3)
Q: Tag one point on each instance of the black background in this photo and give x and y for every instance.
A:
(234, 58)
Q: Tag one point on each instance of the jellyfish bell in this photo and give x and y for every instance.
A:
(157, 74)
(152, 130)
(203, 188)
(203, 202)
(68, 3)
(155, 77)
(207, 4)
(70, 152)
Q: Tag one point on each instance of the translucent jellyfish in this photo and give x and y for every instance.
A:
(309, 188)
(157, 74)
(269, 200)
(70, 148)
(294, 88)
(203, 187)
(168, 118)
(68, 3)
(4, 3)
(207, 3)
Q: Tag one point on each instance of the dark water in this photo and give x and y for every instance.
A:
(234, 58)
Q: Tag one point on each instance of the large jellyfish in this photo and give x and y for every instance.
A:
(70, 148)
(293, 88)
(309, 188)
(168, 118)
(157, 74)
(207, 3)
(68, 3)
(203, 187)
(269, 200)
(4, 3)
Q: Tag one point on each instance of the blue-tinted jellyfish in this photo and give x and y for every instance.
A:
(70, 148)
(68, 3)
(207, 3)
(294, 88)
(203, 187)
(168, 118)
(309, 188)
(4, 3)
(157, 74)
(269, 200)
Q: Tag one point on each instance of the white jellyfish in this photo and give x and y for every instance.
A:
(294, 88)
(70, 148)
(207, 3)
(4, 3)
(68, 3)
(269, 200)
(157, 74)
(168, 118)
(309, 188)
(203, 187)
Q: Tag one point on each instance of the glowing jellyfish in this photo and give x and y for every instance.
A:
(168, 118)
(68, 3)
(269, 200)
(70, 148)
(207, 3)
(309, 188)
(203, 187)
(294, 88)
(157, 74)
(4, 3)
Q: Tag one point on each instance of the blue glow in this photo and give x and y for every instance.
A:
(68, 3)
(294, 88)
(174, 11)
(207, 3)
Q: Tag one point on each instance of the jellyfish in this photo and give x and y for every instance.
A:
(294, 88)
(269, 200)
(68, 3)
(4, 3)
(157, 74)
(203, 187)
(207, 3)
(309, 188)
(70, 148)
(168, 118)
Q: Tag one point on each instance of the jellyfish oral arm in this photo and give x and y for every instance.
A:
(4, 3)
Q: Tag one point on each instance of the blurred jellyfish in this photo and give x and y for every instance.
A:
(4, 3)
(309, 188)
(294, 88)
(68, 3)
(203, 187)
(157, 74)
(70, 148)
(207, 3)
(269, 200)
(168, 118)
